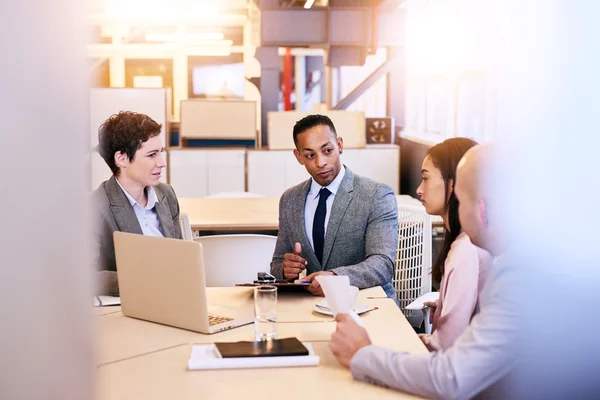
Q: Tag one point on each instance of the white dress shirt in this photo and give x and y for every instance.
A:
(312, 201)
(479, 359)
(146, 216)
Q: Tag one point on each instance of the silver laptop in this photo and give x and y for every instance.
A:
(162, 280)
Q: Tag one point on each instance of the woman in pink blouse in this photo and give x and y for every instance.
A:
(461, 267)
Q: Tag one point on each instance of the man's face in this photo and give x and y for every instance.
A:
(147, 164)
(470, 207)
(319, 151)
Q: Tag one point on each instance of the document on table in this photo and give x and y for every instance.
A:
(105, 301)
(206, 357)
(418, 304)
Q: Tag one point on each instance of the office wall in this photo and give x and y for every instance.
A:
(46, 339)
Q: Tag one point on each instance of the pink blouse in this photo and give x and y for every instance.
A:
(465, 272)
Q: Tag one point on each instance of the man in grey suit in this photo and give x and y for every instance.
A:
(481, 361)
(336, 223)
(132, 200)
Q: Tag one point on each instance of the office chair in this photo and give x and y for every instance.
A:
(231, 259)
(412, 275)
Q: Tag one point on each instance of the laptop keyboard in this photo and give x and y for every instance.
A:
(217, 319)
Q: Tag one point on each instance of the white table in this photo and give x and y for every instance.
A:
(138, 359)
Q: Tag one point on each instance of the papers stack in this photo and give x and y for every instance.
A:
(207, 357)
(105, 301)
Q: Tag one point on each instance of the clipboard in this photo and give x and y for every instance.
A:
(279, 284)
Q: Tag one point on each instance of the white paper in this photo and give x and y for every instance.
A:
(205, 357)
(302, 275)
(337, 293)
(103, 301)
(418, 304)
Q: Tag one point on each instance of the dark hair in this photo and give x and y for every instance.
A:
(446, 156)
(310, 121)
(124, 132)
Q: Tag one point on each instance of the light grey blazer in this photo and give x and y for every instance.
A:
(480, 363)
(113, 212)
(361, 236)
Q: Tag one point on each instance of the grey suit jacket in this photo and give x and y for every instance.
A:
(361, 236)
(113, 212)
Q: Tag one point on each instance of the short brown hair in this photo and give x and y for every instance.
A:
(125, 132)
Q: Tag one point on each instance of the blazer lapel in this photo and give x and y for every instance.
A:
(300, 228)
(164, 214)
(121, 208)
(338, 209)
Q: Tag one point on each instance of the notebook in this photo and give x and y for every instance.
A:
(418, 304)
(204, 357)
(106, 301)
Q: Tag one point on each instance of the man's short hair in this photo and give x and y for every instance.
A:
(125, 132)
(310, 121)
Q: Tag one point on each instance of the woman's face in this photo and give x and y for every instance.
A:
(432, 190)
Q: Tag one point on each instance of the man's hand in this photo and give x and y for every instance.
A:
(347, 339)
(315, 288)
(293, 264)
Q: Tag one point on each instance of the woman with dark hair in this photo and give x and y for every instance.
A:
(461, 267)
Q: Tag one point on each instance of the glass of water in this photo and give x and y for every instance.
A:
(265, 312)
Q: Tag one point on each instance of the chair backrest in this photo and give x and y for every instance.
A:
(186, 227)
(231, 259)
(228, 195)
(412, 276)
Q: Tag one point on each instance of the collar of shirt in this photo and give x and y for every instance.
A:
(152, 198)
(333, 186)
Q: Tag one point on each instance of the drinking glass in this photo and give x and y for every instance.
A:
(265, 312)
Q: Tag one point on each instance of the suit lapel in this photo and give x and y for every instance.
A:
(300, 228)
(164, 214)
(338, 210)
(121, 208)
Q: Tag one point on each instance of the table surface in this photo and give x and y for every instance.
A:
(243, 214)
(232, 213)
(139, 359)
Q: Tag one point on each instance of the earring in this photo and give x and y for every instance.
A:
(340, 152)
